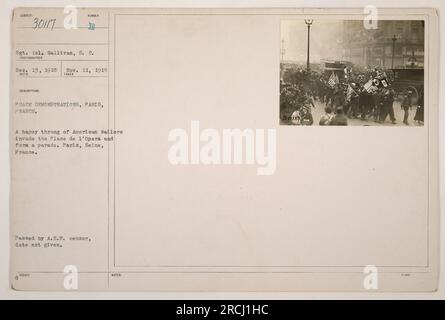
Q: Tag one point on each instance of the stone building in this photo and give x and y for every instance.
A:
(395, 43)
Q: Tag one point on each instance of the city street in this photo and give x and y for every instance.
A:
(318, 111)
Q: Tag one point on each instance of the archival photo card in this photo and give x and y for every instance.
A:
(156, 149)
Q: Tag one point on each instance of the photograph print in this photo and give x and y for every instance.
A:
(343, 73)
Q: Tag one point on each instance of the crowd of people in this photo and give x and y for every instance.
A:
(367, 96)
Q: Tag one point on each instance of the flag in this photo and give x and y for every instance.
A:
(349, 93)
(370, 87)
(333, 80)
(367, 85)
(380, 82)
(383, 81)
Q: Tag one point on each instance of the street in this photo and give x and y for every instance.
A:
(318, 111)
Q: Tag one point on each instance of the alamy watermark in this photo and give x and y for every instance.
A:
(71, 278)
(370, 21)
(228, 147)
(371, 277)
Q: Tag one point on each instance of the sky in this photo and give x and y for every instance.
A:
(325, 36)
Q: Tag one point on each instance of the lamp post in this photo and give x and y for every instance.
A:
(308, 23)
(283, 50)
(394, 39)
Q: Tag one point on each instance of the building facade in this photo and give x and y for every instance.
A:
(394, 44)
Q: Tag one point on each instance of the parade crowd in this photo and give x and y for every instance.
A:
(367, 95)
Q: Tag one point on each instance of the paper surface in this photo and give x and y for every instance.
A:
(126, 173)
